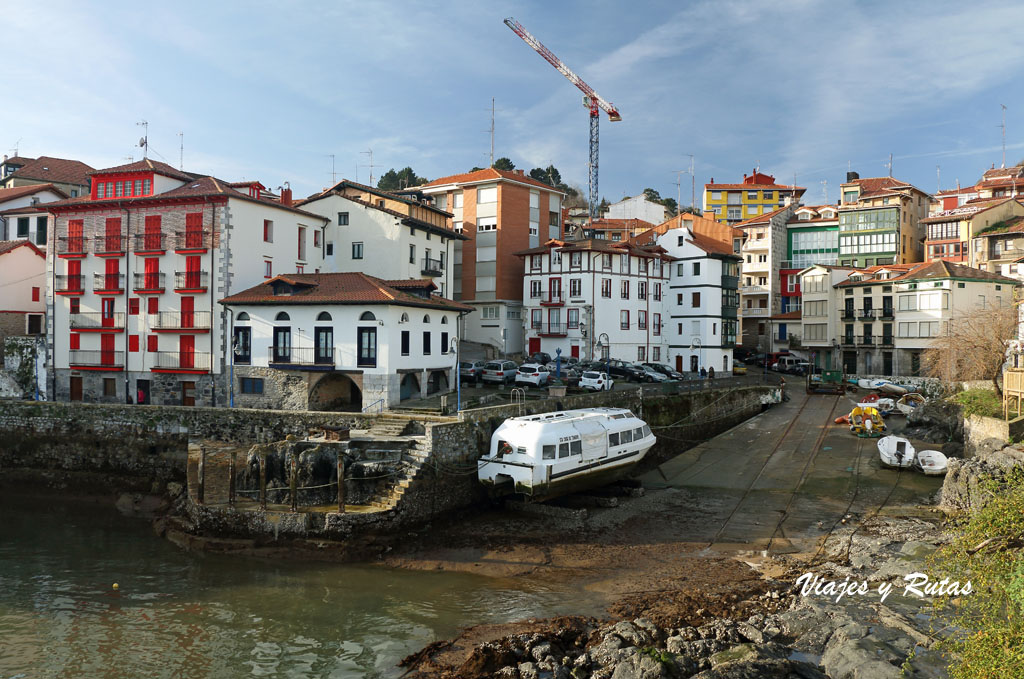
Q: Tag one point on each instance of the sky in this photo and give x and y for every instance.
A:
(803, 90)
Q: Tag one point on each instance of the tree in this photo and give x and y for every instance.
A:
(974, 346)
(504, 164)
(393, 180)
(670, 203)
(552, 177)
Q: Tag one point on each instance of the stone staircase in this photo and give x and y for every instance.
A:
(416, 459)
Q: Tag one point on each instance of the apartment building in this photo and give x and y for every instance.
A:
(637, 207)
(1001, 182)
(393, 237)
(501, 213)
(23, 281)
(135, 268)
(819, 315)
(1000, 248)
(70, 176)
(756, 195)
(949, 233)
(581, 294)
(763, 251)
(880, 221)
(616, 229)
(340, 341)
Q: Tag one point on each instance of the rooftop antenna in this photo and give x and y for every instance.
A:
(679, 189)
(824, 189)
(369, 152)
(144, 141)
(938, 178)
(334, 175)
(16, 145)
(492, 132)
(889, 165)
(181, 151)
(1003, 125)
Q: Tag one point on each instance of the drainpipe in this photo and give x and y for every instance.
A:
(127, 292)
(211, 290)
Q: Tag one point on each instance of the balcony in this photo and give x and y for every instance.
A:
(71, 246)
(792, 339)
(70, 285)
(755, 311)
(192, 240)
(109, 245)
(849, 314)
(730, 282)
(886, 314)
(729, 312)
(191, 281)
(95, 320)
(186, 361)
(432, 267)
(108, 283)
(866, 341)
(180, 321)
(552, 329)
(753, 290)
(885, 341)
(96, 360)
(552, 299)
(297, 357)
(867, 314)
(148, 282)
(149, 243)
(847, 341)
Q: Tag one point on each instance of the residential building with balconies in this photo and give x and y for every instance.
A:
(763, 251)
(880, 221)
(757, 195)
(501, 213)
(949, 233)
(820, 317)
(579, 293)
(135, 269)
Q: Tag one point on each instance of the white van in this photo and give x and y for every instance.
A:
(785, 363)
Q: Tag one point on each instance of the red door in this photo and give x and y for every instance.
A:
(192, 272)
(152, 272)
(534, 345)
(575, 351)
(110, 280)
(107, 347)
(186, 351)
(188, 316)
(152, 238)
(194, 230)
(108, 317)
(679, 364)
(76, 241)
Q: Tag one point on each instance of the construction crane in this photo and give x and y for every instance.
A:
(593, 101)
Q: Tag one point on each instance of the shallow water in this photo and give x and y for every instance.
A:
(178, 614)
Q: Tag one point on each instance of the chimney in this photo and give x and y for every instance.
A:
(520, 172)
(850, 176)
(286, 197)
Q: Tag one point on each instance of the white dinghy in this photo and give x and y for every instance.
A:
(932, 462)
(896, 452)
(909, 403)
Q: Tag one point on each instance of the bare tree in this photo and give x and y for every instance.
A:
(973, 346)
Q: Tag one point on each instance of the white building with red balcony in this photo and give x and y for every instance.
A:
(577, 294)
(135, 270)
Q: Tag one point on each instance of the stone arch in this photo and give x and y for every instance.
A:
(336, 392)
(410, 387)
(437, 381)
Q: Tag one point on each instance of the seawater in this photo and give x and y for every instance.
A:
(180, 614)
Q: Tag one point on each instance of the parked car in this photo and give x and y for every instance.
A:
(785, 364)
(471, 371)
(626, 371)
(738, 368)
(541, 357)
(744, 355)
(666, 371)
(534, 374)
(801, 368)
(503, 372)
(567, 362)
(650, 374)
(596, 381)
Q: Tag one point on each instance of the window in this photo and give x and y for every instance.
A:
(366, 341)
(606, 262)
(486, 224)
(535, 262)
(329, 249)
(152, 344)
(641, 353)
(657, 292)
(624, 289)
(268, 231)
(575, 287)
(41, 230)
(268, 269)
(606, 287)
(641, 319)
(152, 305)
(22, 227)
(133, 343)
(357, 250)
(487, 195)
(133, 306)
(535, 288)
(302, 242)
(242, 345)
(641, 290)
(656, 318)
(624, 319)
(35, 294)
(74, 343)
(405, 343)
(426, 343)
(342, 219)
(695, 299)
(489, 313)
(412, 254)
(696, 268)
(251, 385)
(486, 254)
(575, 260)
(110, 383)
(574, 318)
(534, 228)
(457, 200)
(535, 318)
(548, 452)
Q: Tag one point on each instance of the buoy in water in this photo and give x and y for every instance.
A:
(116, 586)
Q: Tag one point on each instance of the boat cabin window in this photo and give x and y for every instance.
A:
(521, 450)
(613, 439)
(504, 448)
(563, 450)
(549, 452)
(626, 436)
(576, 447)
(638, 433)
(647, 431)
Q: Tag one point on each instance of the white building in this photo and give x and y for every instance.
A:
(386, 235)
(341, 341)
(20, 216)
(820, 314)
(764, 250)
(577, 294)
(637, 207)
(135, 269)
(23, 282)
(701, 302)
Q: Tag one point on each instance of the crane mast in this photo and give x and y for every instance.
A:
(593, 101)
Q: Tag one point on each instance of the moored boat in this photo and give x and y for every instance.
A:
(866, 422)
(931, 462)
(883, 405)
(552, 454)
(884, 386)
(909, 402)
(896, 452)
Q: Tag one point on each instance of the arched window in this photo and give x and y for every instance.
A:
(242, 316)
(405, 318)
(444, 320)
(282, 316)
(426, 318)
(367, 316)
(323, 316)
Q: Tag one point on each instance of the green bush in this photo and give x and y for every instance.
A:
(984, 402)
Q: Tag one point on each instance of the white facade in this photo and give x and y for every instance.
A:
(820, 313)
(637, 207)
(23, 281)
(701, 303)
(584, 292)
(763, 252)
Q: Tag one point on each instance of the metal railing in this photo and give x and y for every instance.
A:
(866, 341)
(552, 298)
(886, 341)
(93, 358)
(107, 282)
(150, 242)
(182, 360)
(180, 320)
(849, 314)
(191, 280)
(192, 239)
(92, 320)
(431, 267)
(301, 356)
(108, 244)
(886, 313)
(148, 281)
(868, 314)
(70, 283)
(551, 329)
(379, 404)
(71, 245)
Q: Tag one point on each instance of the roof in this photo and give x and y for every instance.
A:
(406, 219)
(203, 187)
(934, 270)
(760, 218)
(788, 316)
(1011, 225)
(10, 245)
(343, 288)
(872, 187)
(489, 174)
(58, 170)
(712, 246)
(146, 165)
(754, 187)
(965, 211)
(20, 191)
(616, 247)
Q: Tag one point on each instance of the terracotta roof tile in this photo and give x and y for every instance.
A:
(760, 218)
(486, 174)
(1011, 225)
(343, 288)
(926, 270)
(31, 189)
(712, 246)
(146, 165)
(58, 170)
(9, 245)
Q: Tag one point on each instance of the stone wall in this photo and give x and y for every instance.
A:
(24, 362)
(984, 432)
(282, 389)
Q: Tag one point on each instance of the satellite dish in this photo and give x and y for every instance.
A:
(142, 141)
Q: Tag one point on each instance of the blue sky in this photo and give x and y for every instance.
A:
(268, 90)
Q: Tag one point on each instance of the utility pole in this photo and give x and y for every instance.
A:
(938, 178)
(334, 175)
(144, 142)
(181, 151)
(693, 185)
(369, 152)
(679, 189)
(1004, 134)
(824, 189)
(492, 132)
(889, 165)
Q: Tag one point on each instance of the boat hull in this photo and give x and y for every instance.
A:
(592, 475)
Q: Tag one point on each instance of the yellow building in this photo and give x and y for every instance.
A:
(757, 195)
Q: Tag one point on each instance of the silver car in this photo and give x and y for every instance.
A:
(502, 372)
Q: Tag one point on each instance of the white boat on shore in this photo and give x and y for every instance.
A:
(909, 402)
(551, 454)
(897, 452)
(884, 386)
(932, 462)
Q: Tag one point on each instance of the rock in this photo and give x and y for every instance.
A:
(763, 669)
(174, 489)
(634, 634)
(953, 449)
(507, 673)
(541, 651)
(1004, 457)
(750, 633)
(527, 670)
(639, 665)
(963, 485)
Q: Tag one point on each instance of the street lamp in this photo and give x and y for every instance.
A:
(835, 354)
(607, 358)
(458, 375)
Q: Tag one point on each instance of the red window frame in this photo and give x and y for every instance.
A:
(75, 306)
(151, 343)
(133, 306)
(35, 294)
